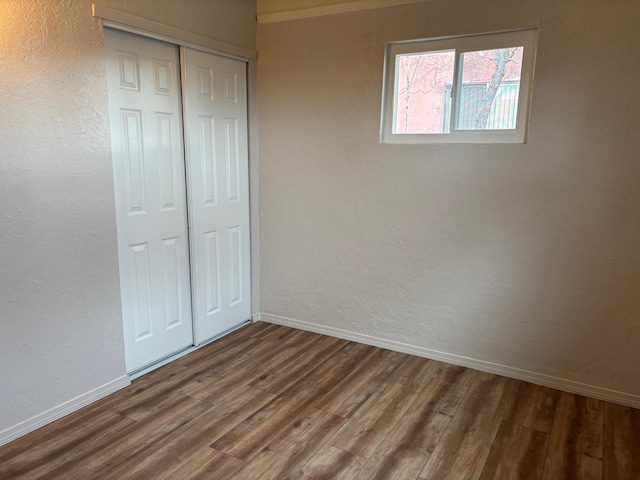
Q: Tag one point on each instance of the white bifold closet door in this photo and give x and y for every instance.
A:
(182, 221)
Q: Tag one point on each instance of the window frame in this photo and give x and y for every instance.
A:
(461, 44)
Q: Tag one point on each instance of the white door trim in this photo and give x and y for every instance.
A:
(148, 28)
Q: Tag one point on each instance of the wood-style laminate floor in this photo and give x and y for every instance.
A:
(269, 402)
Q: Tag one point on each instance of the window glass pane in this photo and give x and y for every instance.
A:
(424, 81)
(488, 95)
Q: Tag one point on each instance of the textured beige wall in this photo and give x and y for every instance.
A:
(523, 255)
(60, 320)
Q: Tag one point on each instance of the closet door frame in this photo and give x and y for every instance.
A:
(117, 20)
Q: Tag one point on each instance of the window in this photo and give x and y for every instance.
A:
(472, 89)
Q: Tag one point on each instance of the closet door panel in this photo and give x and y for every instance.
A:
(143, 80)
(215, 114)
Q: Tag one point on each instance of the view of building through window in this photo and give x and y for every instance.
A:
(487, 97)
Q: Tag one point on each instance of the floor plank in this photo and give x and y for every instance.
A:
(207, 464)
(78, 440)
(213, 385)
(463, 449)
(177, 448)
(141, 435)
(268, 402)
(576, 443)
(532, 406)
(291, 449)
(517, 452)
(285, 413)
(621, 442)
(289, 373)
(368, 427)
(354, 389)
(408, 446)
(330, 463)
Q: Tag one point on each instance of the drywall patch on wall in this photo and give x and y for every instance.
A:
(525, 256)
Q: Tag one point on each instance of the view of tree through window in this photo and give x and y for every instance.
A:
(487, 98)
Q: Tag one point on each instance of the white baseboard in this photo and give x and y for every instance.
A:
(62, 410)
(564, 384)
